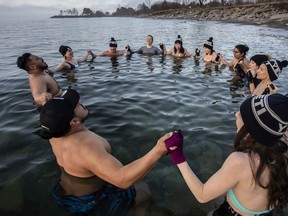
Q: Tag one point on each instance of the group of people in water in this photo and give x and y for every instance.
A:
(254, 177)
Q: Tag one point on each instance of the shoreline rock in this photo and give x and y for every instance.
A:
(268, 14)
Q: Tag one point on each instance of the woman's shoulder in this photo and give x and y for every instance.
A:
(237, 159)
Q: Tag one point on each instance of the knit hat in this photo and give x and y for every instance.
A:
(56, 114)
(265, 117)
(209, 43)
(63, 49)
(179, 40)
(258, 59)
(113, 42)
(274, 68)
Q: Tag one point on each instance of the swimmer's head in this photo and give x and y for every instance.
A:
(258, 59)
(63, 49)
(209, 43)
(274, 68)
(113, 43)
(243, 49)
(57, 113)
(179, 40)
(22, 61)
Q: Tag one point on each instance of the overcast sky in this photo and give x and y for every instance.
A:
(52, 7)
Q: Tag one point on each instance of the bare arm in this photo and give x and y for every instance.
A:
(224, 179)
(85, 56)
(39, 90)
(110, 169)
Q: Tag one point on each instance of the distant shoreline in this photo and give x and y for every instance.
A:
(274, 14)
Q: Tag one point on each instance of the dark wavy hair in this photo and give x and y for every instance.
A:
(274, 158)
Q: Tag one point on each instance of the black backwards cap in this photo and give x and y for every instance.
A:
(113, 42)
(209, 43)
(265, 117)
(56, 114)
(63, 49)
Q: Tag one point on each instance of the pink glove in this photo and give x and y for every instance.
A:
(176, 140)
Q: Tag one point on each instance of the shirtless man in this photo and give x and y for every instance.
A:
(43, 86)
(91, 176)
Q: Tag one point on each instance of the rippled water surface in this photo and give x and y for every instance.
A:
(132, 101)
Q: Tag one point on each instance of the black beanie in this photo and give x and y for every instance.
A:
(113, 42)
(258, 59)
(63, 49)
(209, 43)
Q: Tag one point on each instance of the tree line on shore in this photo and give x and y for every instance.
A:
(147, 8)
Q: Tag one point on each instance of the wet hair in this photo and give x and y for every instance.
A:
(243, 49)
(179, 41)
(274, 158)
(22, 61)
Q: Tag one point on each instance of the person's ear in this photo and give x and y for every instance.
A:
(32, 66)
(74, 122)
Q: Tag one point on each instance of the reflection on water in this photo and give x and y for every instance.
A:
(133, 101)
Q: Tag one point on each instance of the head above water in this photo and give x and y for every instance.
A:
(22, 61)
(209, 43)
(274, 68)
(113, 43)
(57, 113)
(265, 117)
(63, 49)
(31, 63)
(242, 49)
(179, 40)
(258, 59)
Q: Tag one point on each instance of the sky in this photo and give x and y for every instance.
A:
(52, 7)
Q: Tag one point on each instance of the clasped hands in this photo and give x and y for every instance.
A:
(174, 145)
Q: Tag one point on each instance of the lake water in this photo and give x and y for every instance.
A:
(133, 102)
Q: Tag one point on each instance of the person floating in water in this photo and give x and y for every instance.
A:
(42, 85)
(92, 180)
(68, 62)
(255, 175)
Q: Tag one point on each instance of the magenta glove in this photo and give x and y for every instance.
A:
(176, 140)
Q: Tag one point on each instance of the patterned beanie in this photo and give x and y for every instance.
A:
(265, 117)
(274, 68)
(209, 43)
